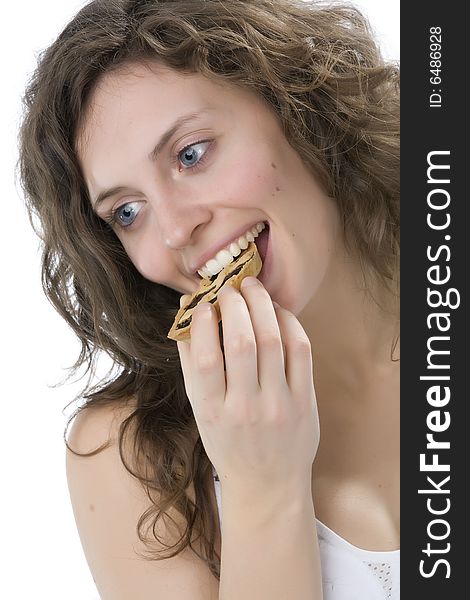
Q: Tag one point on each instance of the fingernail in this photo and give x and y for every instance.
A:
(249, 281)
(204, 309)
(226, 289)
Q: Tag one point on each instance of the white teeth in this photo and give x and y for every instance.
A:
(225, 257)
(234, 249)
(204, 273)
(213, 266)
(242, 242)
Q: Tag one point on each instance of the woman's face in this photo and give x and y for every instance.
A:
(193, 165)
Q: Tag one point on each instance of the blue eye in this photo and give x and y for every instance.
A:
(125, 215)
(192, 154)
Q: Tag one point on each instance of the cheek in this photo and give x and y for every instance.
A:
(149, 259)
(250, 181)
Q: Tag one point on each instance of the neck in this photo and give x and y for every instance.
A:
(352, 331)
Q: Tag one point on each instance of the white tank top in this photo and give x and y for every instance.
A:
(349, 572)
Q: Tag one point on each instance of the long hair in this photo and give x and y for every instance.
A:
(336, 99)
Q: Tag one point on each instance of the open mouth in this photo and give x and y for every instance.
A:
(257, 234)
(262, 242)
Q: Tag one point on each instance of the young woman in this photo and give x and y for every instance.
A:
(157, 134)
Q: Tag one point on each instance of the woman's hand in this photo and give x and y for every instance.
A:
(258, 419)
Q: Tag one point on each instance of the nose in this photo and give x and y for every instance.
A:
(178, 222)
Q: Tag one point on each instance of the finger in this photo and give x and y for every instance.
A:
(206, 362)
(276, 306)
(298, 354)
(270, 355)
(239, 344)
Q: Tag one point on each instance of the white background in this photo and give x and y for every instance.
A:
(42, 555)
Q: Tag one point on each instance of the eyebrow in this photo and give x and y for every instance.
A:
(162, 142)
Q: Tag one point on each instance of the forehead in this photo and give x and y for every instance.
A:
(141, 89)
(132, 107)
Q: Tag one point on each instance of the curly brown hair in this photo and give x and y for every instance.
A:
(337, 100)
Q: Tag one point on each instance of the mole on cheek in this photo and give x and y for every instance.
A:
(273, 166)
(277, 189)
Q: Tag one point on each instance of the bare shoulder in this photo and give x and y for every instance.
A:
(107, 503)
(94, 425)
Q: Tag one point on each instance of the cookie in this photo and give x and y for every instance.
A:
(248, 262)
